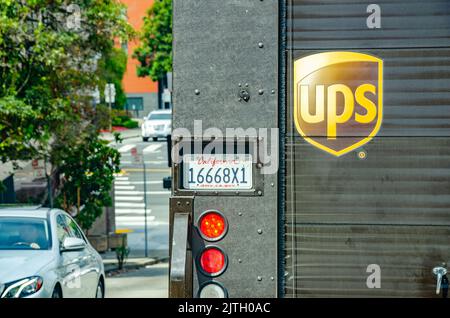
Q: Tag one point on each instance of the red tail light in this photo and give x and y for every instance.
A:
(212, 261)
(213, 225)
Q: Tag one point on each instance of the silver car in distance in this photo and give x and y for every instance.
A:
(158, 124)
(43, 254)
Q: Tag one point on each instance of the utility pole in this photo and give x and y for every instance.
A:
(110, 98)
(49, 184)
(137, 159)
(145, 208)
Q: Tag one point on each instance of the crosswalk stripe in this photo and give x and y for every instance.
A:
(129, 198)
(149, 223)
(146, 162)
(121, 178)
(119, 187)
(126, 211)
(122, 182)
(129, 205)
(132, 192)
(159, 192)
(148, 182)
(123, 219)
(126, 148)
(152, 148)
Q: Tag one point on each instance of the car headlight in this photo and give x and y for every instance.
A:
(22, 288)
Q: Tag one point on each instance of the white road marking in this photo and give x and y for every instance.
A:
(134, 219)
(148, 182)
(129, 198)
(152, 148)
(126, 148)
(121, 178)
(149, 223)
(119, 192)
(119, 187)
(129, 205)
(122, 182)
(125, 211)
(147, 162)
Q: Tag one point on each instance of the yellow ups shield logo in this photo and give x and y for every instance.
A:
(338, 99)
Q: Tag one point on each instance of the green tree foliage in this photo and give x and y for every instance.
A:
(112, 66)
(88, 192)
(49, 51)
(53, 54)
(155, 51)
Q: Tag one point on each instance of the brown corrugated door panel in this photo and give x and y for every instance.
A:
(386, 203)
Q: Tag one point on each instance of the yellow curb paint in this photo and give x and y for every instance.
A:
(124, 231)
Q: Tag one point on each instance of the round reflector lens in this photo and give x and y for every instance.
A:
(213, 291)
(212, 261)
(212, 226)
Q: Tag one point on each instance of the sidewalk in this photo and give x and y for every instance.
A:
(125, 134)
(110, 262)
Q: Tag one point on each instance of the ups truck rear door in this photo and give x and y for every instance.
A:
(368, 194)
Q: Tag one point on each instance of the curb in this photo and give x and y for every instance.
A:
(109, 268)
(123, 138)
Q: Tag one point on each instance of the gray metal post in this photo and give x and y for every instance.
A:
(49, 184)
(110, 109)
(145, 207)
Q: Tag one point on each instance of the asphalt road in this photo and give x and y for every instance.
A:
(129, 197)
(148, 282)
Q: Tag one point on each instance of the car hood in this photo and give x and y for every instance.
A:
(16, 265)
(158, 122)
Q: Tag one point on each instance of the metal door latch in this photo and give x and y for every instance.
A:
(442, 281)
(244, 95)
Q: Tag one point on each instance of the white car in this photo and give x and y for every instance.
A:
(158, 124)
(43, 254)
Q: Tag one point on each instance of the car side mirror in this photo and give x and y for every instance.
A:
(72, 244)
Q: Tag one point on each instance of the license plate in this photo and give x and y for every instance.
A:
(218, 172)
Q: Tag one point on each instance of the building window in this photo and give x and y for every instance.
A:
(135, 104)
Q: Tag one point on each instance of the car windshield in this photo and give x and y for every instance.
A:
(23, 234)
(156, 116)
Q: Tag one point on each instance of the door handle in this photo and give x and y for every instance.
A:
(439, 272)
(179, 258)
(180, 268)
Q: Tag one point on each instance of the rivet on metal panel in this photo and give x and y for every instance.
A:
(261, 92)
(239, 261)
(187, 203)
(272, 184)
(273, 91)
(272, 278)
(260, 45)
(246, 84)
(259, 278)
(237, 192)
(260, 231)
(240, 213)
(260, 193)
(178, 203)
(197, 92)
(259, 165)
(240, 85)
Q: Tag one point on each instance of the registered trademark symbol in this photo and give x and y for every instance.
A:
(362, 154)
